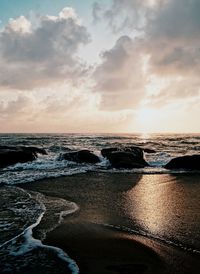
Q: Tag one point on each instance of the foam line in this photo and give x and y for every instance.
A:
(31, 243)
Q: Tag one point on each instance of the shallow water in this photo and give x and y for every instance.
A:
(164, 208)
(23, 213)
(161, 207)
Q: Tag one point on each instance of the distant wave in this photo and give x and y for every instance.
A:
(48, 166)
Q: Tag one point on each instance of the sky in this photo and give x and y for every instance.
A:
(96, 66)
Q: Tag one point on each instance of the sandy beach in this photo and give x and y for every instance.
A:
(103, 236)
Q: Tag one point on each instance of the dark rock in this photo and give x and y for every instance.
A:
(185, 162)
(36, 150)
(82, 156)
(11, 157)
(106, 151)
(137, 151)
(6, 147)
(149, 150)
(142, 149)
(125, 157)
(132, 149)
(59, 148)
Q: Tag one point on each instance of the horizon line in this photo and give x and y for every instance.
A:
(111, 133)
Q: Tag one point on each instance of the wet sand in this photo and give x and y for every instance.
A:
(105, 199)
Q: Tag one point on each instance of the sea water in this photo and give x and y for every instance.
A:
(26, 217)
(49, 166)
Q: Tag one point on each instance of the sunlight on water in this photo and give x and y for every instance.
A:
(158, 203)
(148, 205)
(145, 136)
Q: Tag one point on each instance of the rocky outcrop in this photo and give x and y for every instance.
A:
(191, 162)
(126, 160)
(132, 149)
(105, 152)
(149, 150)
(135, 150)
(82, 156)
(10, 155)
(34, 150)
(126, 157)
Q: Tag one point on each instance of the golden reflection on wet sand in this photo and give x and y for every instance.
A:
(159, 204)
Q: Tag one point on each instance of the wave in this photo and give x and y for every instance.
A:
(47, 166)
(49, 213)
(51, 168)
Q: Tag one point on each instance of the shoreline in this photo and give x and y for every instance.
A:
(93, 246)
(99, 250)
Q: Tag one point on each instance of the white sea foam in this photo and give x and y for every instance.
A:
(48, 166)
(31, 243)
(15, 176)
(24, 242)
(64, 213)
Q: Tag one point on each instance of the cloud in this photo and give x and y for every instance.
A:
(32, 57)
(156, 65)
(176, 20)
(123, 15)
(56, 111)
(96, 11)
(169, 33)
(177, 89)
(120, 15)
(120, 78)
(14, 106)
(168, 39)
(173, 39)
(172, 42)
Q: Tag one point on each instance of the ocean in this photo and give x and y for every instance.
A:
(48, 166)
(23, 211)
